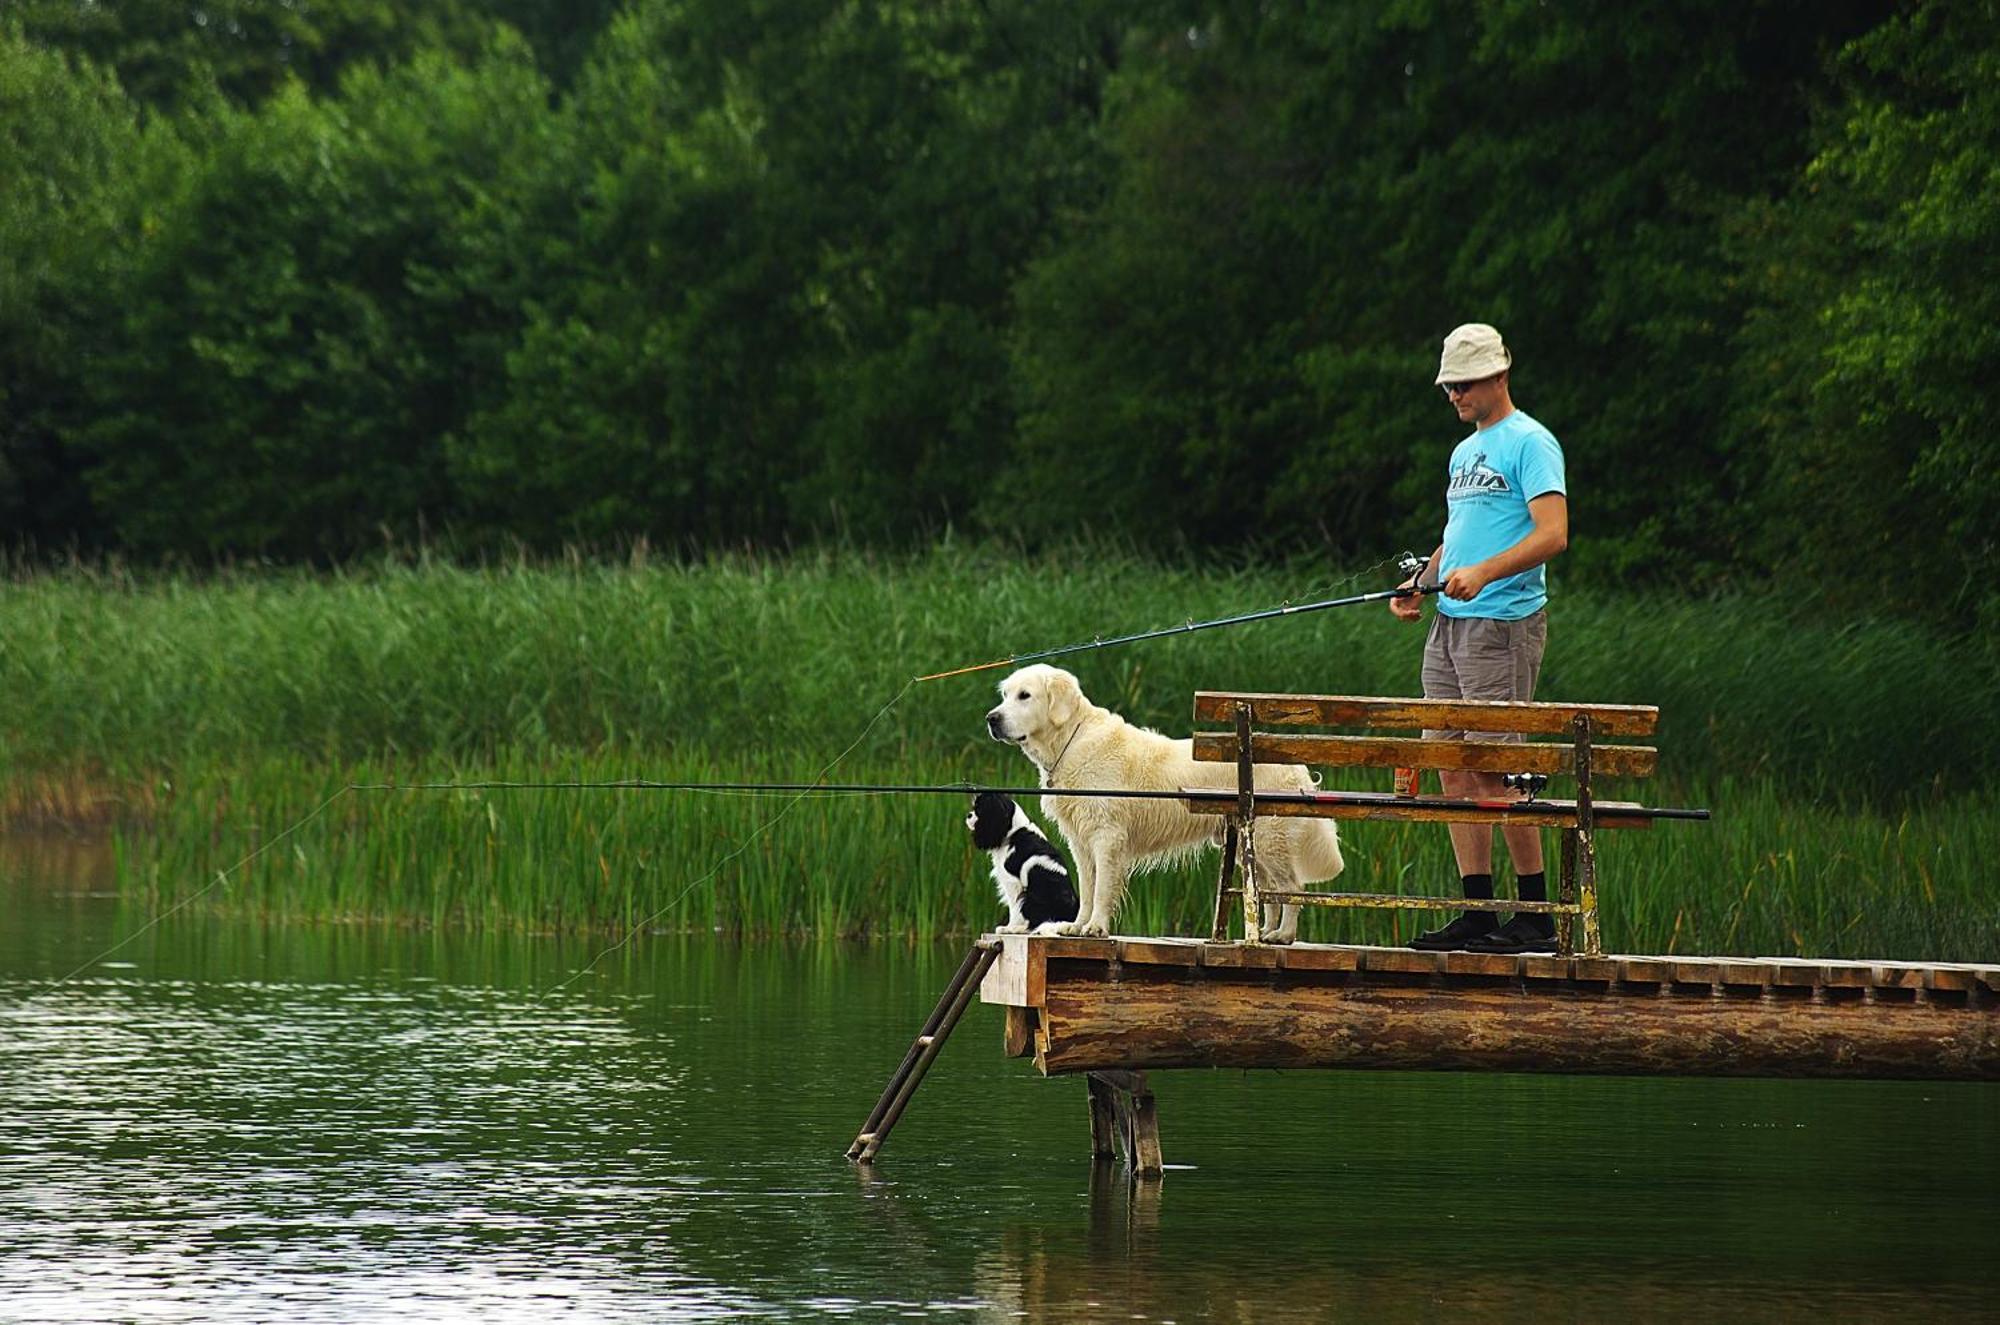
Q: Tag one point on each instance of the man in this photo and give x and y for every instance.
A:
(1507, 513)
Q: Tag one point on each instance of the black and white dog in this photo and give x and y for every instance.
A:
(1030, 874)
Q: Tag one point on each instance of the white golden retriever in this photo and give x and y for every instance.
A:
(1075, 743)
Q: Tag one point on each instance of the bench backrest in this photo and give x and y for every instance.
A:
(1416, 715)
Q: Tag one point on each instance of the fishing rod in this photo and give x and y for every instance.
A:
(1222, 796)
(1411, 564)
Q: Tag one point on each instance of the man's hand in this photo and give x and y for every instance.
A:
(1409, 607)
(1466, 582)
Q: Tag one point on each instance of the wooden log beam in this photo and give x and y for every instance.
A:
(1422, 1019)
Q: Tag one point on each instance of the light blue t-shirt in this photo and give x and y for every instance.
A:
(1494, 474)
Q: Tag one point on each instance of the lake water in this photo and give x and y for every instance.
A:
(228, 1121)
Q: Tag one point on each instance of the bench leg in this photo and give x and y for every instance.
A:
(1218, 930)
(1246, 816)
(1593, 945)
(1253, 896)
(1586, 833)
(1566, 894)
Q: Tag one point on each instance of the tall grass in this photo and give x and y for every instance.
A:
(1766, 877)
(1848, 762)
(138, 673)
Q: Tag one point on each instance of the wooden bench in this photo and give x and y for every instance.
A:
(1579, 755)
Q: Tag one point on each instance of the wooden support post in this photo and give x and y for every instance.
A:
(1142, 1136)
(1225, 889)
(1125, 1121)
(1103, 1118)
(1017, 1032)
(1246, 818)
(1586, 846)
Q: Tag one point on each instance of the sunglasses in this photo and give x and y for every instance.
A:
(1456, 389)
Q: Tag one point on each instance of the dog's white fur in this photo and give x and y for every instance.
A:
(1076, 743)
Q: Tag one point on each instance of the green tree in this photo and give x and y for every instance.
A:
(169, 53)
(75, 165)
(1305, 201)
(645, 393)
(312, 319)
(1865, 374)
(773, 259)
(929, 185)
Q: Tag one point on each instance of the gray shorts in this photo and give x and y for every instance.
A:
(1480, 658)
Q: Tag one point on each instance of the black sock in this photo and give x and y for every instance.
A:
(1532, 887)
(1478, 885)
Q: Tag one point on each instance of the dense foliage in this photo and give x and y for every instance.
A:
(282, 280)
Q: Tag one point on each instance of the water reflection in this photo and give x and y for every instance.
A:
(236, 1121)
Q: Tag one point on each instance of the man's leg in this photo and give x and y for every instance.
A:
(1514, 677)
(1471, 844)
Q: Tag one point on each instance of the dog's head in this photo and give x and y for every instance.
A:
(1035, 702)
(990, 818)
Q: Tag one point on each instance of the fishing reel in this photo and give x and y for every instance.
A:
(1528, 784)
(1412, 567)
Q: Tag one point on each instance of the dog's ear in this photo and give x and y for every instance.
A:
(992, 816)
(1065, 697)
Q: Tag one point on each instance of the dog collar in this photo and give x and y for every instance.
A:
(1049, 773)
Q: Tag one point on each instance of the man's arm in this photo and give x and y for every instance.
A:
(1550, 512)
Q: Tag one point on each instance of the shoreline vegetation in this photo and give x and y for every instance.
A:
(198, 718)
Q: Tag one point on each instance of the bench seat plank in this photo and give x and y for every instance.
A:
(1417, 714)
(1413, 902)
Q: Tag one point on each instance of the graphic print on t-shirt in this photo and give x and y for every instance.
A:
(1475, 477)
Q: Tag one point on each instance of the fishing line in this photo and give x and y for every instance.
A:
(219, 880)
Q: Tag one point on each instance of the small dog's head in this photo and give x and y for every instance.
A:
(990, 818)
(1036, 701)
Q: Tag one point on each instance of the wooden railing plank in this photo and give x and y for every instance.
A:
(1414, 752)
(1415, 714)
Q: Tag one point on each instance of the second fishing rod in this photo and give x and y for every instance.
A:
(1410, 564)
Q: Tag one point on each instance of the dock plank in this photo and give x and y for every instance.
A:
(1017, 976)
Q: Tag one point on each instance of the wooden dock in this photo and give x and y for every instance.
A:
(1129, 1005)
(1114, 1009)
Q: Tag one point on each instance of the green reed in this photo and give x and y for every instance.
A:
(1848, 762)
(136, 673)
(1767, 876)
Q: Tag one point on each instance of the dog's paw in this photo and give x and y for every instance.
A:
(1280, 939)
(1021, 928)
(1090, 931)
(1051, 927)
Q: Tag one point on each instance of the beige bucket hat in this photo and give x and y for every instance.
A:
(1471, 352)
